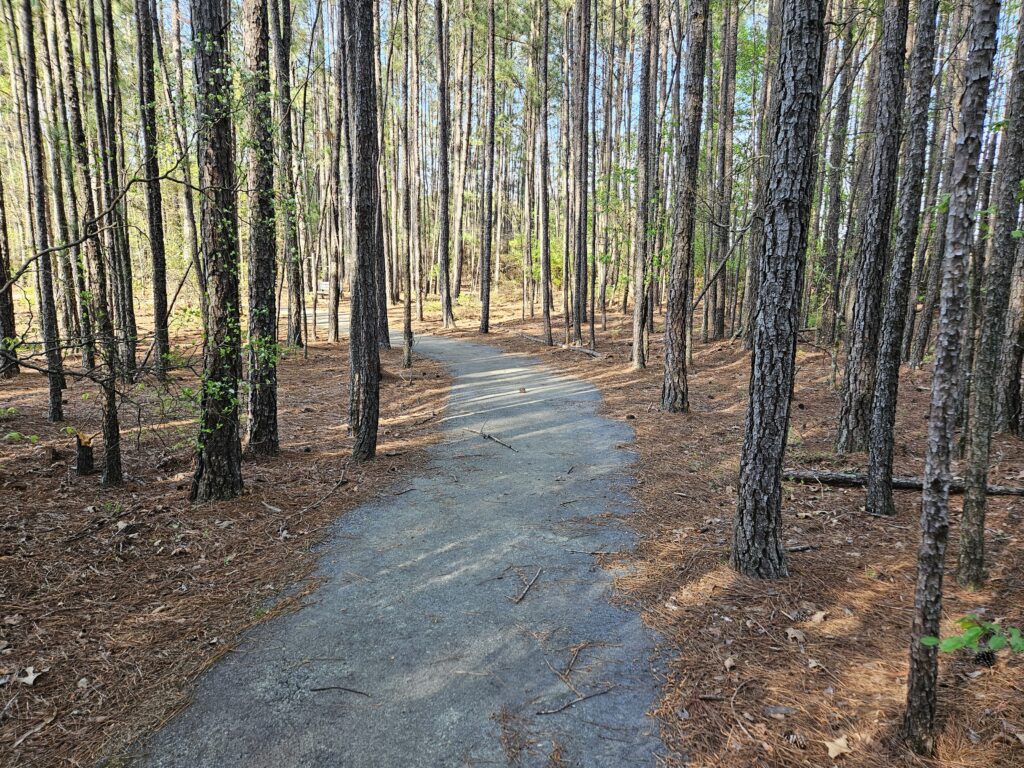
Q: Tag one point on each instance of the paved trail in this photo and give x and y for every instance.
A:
(418, 607)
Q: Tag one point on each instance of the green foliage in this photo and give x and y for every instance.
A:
(16, 437)
(7, 412)
(978, 634)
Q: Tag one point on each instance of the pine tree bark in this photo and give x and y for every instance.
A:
(996, 293)
(97, 265)
(463, 164)
(151, 167)
(281, 37)
(919, 723)
(757, 542)
(364, 355)
(837, 151)
(444, 176)
(646, 162)
(8, 332)
(873, 246)
(218, 472)
(580, 91)
(887, 367)
(262, 347)
(723, 212)
(47, 305)
(487, 225)
(674, 389)
(406, 196)
(187, 204)
(544, 213)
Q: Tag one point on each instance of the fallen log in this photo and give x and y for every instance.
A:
(857, 479)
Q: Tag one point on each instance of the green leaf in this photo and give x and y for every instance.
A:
(929, 641)
(997, 643)
(951, 644)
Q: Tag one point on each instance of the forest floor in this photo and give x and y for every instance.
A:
(783, 673)
(113, 600)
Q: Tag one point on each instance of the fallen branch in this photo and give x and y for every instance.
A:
(583, 350)
(857, 479)
(577, 700)
(492, 438)
(527, 589)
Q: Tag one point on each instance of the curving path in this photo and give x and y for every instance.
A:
(417, 617)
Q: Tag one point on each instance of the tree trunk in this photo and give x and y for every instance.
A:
(579, 120)
(406, 197)
(218, 472)
(443, 180)
(8, 332)
(262, 348)
(846, 75)
(919, 722)
(674, 390)
(487, 226)
(47, 306)
(151, 167)
(873, 245)
(887, 366)
(996, 293)
(757, 545)
(281, 36)
(646, 162)
(364, 355)
(99, 291)
(544, 214)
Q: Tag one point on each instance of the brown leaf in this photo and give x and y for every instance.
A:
(838, 747)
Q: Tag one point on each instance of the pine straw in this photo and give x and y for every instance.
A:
(125, 595)
(740, 690)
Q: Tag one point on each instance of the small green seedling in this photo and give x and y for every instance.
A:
(979, 635)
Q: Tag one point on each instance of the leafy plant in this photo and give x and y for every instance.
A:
(978, 633)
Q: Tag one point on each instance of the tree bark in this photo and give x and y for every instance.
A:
(444, 177)
(646, 163)
(262, 349)
(487, 225)
(873, 246)
(281, 37)
(674, 389)
(218, 472)
(919, 723)
(151, 167)
(112, 471)
(364, 354)
(757, 546)
(887, 366)
(544, 214)
(47, 306)
(996, 293)
(8, 332)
